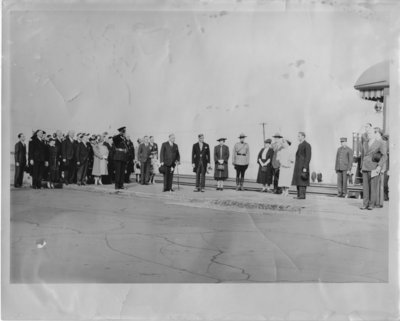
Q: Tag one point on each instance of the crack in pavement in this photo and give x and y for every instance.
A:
(324, 239)
(157, 263)
(220, 252)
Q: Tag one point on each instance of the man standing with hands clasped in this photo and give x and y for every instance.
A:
(301, 173)
(200, 162)
(344, 163)
(169, 158)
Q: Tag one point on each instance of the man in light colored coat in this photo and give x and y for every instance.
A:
(373, 164)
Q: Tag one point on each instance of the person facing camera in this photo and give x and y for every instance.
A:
(264, 160)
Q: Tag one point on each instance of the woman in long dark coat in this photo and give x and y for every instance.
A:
(264, 160)
(221, 157)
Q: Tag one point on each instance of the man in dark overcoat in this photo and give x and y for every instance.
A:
(68, 157)
(37, 158)
(20, 160)
(343, 165)
(301, 173)
(200, 162)
(120, 157)
(82, 159)
(169, 158)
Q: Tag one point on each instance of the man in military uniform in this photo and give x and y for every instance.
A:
(344, 163)
(120, 157)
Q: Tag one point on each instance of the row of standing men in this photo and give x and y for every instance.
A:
(98, 158)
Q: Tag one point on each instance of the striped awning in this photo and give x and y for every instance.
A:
(373, 81)
(371, 94)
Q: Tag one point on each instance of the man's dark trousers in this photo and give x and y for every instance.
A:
(37, 174)
(120, 167)
(342, 182)
(145, 172)
(301, 192)
(168, 177)
(81, 172)
(200, 176)
(19, 175)
(275, 172)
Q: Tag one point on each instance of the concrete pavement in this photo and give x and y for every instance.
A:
(92, 234)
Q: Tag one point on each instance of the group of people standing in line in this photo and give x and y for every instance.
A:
(83, 159)
(279, 167)
(97, 159)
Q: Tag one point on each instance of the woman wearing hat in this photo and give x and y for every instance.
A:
(100, 161)
(221, 157)
(240, 160)
(264, 159)
(286, 160)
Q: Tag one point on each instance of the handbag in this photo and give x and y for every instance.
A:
(305, 176)
(220, 167)
(161, 169)
(376, 157)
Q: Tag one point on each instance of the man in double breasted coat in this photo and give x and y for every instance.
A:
(200, 162)
(301, 173)
(37, 158)
(169, 159)
(144, 154)
(20, 160)
(343, 165)
(120, 157)
(68, 157)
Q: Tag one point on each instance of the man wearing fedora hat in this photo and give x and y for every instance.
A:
(120, 157)
(343, 165)
(277, 146)
(240, 160)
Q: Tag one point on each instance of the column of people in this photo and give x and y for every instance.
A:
(96, 159)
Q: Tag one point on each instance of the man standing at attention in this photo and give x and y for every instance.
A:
(276, 146)
(68, 155)
(200, 161)
(301, 173)
(20, 160)
(169, 158)
(120, 157)
(344, 163)
(145, 162)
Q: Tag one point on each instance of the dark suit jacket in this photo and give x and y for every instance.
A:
(203, 154)
(59, 149)
(144, 152)
(303, 158)
(37, 150)
(67, 149)
(344, 159)
(81, 153)
(120, 148)
(169, 154)
(20, 154)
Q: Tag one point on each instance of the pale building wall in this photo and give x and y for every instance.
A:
(217, 73)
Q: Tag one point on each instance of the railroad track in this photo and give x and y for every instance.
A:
(251, 185)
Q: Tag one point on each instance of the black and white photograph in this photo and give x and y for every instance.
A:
(200, 145)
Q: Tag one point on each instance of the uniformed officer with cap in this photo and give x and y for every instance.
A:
(120, 157)
(344, 163)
